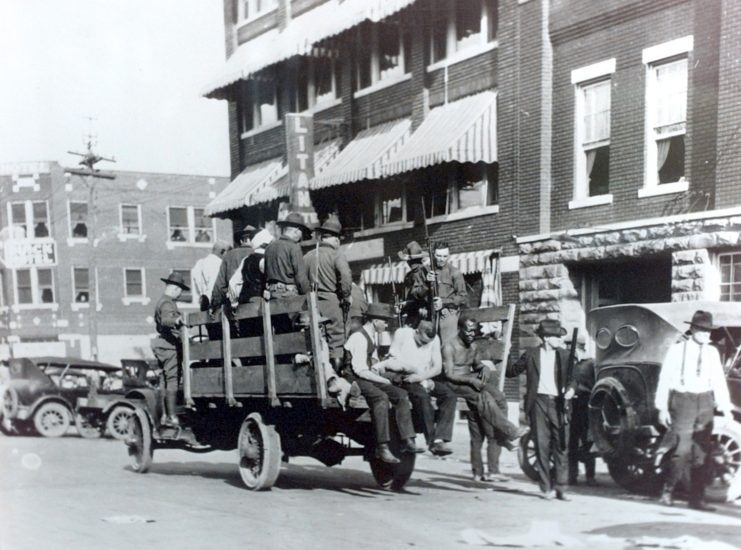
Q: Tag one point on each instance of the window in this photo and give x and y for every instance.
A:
(78, 220)
(30, 216)
(251, 9)
(666, 115)
(593, 139)
(391, 205)
(730, 277)
(461, 25)
(187, 295)
(383, 52)
(130, 224)
(81, 282)
(187, 224)
(134, 283)
(316, 82)
(34, 286)
(461, 187)
(260, 105)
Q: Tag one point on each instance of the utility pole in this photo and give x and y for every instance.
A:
(91, 174)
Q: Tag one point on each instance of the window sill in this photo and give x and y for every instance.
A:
(586, 202)
(128, 300)
(462, 55)
(465, 214)
(319, 107)
(15, 308)
(72, 241)
(123, 237)
(385, 229)
(171, 245)
(83, 305)
(381, 84)
(260, 15)
(261, 129)
(663, 189)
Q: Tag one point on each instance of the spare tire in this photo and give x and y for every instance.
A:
(612, 419)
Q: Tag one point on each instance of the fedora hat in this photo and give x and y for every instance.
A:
(175, 278)
(412, 251)
(246, 230)
(550, 327)
(331, 226)
(380, 311)
(702, 320)
(294, 219)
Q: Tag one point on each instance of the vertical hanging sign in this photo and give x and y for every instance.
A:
(300, 153)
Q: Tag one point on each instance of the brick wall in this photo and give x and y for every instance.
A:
(465, 78)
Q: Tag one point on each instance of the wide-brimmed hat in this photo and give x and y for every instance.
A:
(550, 327)
(412, 251)
(331, 226)
(246, 230)
(380, 311)
(294, 219)
(175, 278)
(702, 320)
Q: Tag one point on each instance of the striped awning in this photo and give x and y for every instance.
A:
(300, 36)
(466, 262)
(365, 156)
(254, 177)
(461, 131)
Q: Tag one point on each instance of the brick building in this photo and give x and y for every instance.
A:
(591, 148)
(146, 225)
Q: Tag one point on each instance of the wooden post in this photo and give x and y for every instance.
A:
(185, 340)
(316, 351)
(267, 329)
(226, 349)
(507, 343)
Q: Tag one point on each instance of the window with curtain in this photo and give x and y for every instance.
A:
(78, 219)
(204, 226)
(178, 219)
(391, 205)
(46, 286)
(130, 219)
(19, 219)
(593, 106)
(81, 282)
(40, 219)
(459, 25)
(382, 53)
(667, 120)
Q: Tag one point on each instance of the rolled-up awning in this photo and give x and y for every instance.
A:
(237, 194)
(364, 156)
(300, 36)
(466, 262)
(461, 131)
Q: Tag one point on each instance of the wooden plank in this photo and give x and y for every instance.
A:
(186, 366)
(321, 382)
(292, 304)
(507, 343)
(267, 329)
(487, 314)
(282, 344)
(290, 379)
(198, 318)
(203, 351)
(227, 354)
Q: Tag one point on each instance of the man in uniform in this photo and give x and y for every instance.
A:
(231, 262)
(548, 389)
(329, 273)
(451, 292)
(167, 347)
(691, 385)
(358, 309)
(361, 359)
(416, 305)
(468, 377)
(285, 270)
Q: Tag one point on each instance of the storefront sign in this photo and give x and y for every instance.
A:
(30, 253)
(300, 157)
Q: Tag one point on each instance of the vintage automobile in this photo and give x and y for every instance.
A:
(42, 393)
(250, 393)
(631, 342)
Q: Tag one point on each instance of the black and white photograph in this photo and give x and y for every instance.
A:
(372, 274)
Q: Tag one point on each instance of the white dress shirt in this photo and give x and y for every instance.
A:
(205, 273)
(547, 378)
(409, 358)
(692, 368)
(357, 345)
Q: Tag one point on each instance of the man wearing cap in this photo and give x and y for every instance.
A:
(358, 309)
(205, 273)
(167, 347)
(329, 273)
(451, 292)
(416, 305)
(548, 388)
(360, 358)
(691, 385)
(232, 259)
(285, 270)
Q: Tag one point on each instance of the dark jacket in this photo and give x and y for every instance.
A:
(529, 363)
(231, 260)
(284, 263)
(253, 280)
(332, 274)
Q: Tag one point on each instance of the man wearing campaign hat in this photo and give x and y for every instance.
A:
(232, 259)
(549, 387)
(691, 385)
(416, 305)
(285, 270)
(167, 347)
(330, 275)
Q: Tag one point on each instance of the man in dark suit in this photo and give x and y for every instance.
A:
(549, 388)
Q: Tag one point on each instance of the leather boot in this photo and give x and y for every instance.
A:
(384, 453)
(171, 399)
(409, 446)
(666, 496)
(697, 491)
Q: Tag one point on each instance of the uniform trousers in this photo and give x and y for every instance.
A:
(379, 396)
(329, 306)
(168, 356)
(551, 442)
(433, 424)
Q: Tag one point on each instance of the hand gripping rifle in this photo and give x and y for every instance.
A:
(433, 286)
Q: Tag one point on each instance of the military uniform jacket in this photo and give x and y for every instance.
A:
(451, 287)
(166, 317)
(327, 267)
(529, 363)
(284, 263)
(416, 290)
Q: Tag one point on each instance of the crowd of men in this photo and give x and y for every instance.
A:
(437, 355)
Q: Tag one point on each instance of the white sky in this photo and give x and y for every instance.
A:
(136, 66)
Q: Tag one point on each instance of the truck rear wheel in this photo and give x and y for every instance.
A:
(393, 476)
(259, 453)
(118, 422)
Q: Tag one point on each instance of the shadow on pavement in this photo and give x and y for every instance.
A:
(669, 530)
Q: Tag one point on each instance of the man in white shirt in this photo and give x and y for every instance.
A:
(361, 357)
(205, 272)
(416, 355)
(691, 385)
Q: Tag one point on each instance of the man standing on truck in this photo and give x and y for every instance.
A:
(167, 347)
(416, 304)
(231, 262)
(451, 292)
(285, 270)
(361, 357)
(691, 385)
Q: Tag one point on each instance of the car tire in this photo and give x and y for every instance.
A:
(527, 457)
(52, 420)
(117, 423)
(725, 484)
(86, 428)
(259, 452)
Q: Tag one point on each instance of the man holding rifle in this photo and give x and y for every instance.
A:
(451, 293)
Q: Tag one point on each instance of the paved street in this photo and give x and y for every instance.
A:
(77, 493)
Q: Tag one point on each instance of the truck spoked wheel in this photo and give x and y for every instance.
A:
(260, 453)
(51, 420)
(527, 456)
(139, 442)
(725, 483)
(118, 422)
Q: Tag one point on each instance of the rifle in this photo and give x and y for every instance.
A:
(397, 302)
(433, 286)
(565, 403)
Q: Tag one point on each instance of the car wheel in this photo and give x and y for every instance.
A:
(52, 420)
(118, 422)
(642, 478)
(139, 441)
(725, 482)
(259, 453)
(86, 427)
